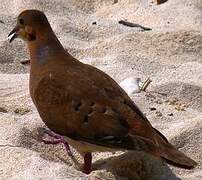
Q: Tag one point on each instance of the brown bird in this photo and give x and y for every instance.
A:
(82, 104)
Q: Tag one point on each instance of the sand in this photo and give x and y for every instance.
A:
(170, 54)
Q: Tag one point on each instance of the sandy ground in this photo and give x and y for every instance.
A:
(170, 54)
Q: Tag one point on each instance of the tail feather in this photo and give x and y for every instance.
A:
(175, 157)
(171, 155)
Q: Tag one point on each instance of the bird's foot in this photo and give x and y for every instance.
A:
(60, 139)
(57, 139)
(86, 167)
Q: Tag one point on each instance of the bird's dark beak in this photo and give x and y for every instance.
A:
(13, 34)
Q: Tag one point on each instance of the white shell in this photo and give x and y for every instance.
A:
(131, 85)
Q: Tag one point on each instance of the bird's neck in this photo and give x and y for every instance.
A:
(44, 48)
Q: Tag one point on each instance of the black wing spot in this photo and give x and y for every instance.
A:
(115, 110)
(78, 106)
(104, 110)
(124, 123)
(86, 119)
(90, 111)
(92, 104)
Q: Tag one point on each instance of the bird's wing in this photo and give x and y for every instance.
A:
(84, 110)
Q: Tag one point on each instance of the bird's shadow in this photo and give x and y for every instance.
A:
(136, 166)
(129, 165)
(32, 139)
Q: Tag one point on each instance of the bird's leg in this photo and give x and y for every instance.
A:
(60, 139)
(57, 139)
(87, 168)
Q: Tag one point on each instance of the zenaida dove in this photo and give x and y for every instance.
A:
(82, 104)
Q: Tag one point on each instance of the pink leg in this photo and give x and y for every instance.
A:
(57, 139)
(87, 168)
(87, 163)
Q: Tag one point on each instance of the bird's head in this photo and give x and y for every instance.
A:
(30, 24)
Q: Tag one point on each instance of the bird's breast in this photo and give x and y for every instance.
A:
(42, 54)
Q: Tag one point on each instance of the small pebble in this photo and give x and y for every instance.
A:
(158, 101)
(21, 111)
(180, 107)
(158, 113)
(153, 109)
(173, 101)
(170, 114)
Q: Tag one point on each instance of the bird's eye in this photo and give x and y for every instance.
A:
(21, 21)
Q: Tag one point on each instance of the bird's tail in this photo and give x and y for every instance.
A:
(171, 155)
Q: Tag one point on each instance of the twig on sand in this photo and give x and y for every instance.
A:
(2, 22)
(130, 24)
(8, 145)
(161, 1)
(145, 84)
